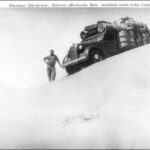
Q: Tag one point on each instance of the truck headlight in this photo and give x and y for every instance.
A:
(80, 46)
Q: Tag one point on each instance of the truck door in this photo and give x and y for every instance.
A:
(110, 44)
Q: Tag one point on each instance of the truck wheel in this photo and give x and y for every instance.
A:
(101, 28)
(72, 69)
(95, 56)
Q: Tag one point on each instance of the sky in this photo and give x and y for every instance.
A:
(27, 35)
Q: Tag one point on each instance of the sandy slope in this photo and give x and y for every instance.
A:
(106, 105)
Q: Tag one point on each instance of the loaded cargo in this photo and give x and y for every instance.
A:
(103, 40)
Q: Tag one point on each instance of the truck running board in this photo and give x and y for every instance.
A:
(74, 61)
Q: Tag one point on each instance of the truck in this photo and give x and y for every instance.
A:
(105, 39)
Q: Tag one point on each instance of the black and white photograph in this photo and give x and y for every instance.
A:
(74, 78)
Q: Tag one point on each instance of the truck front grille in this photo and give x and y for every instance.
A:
(72, 53)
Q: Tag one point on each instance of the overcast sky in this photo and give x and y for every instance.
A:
(27, 35)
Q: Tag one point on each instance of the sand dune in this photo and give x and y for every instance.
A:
(106, 105)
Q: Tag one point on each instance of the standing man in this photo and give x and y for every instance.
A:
(51, 61)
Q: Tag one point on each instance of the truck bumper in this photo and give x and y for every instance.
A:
(74, 61)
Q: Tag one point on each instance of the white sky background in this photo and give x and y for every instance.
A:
(27, 35)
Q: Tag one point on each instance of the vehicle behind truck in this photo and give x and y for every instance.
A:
(103, 40)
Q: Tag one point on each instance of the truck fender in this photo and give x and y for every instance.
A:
(86, 52)
(65, 59)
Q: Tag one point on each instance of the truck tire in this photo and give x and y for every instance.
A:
(72, 69)
(95, 56)
(69, 70)
(101, 28)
